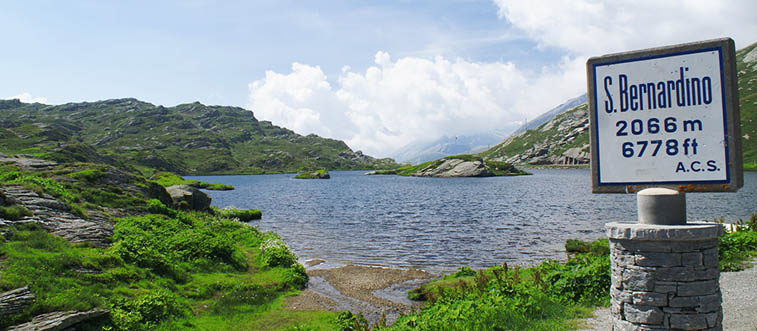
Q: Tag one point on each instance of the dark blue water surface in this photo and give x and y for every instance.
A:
(440, 224)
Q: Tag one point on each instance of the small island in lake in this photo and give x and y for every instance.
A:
(317, 174)
(464, 165)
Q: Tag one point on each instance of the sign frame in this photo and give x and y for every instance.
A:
(730, 108)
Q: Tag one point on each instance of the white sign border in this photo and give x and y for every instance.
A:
(729, 89)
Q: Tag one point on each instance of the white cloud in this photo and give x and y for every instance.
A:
(415, 99)
(591, 27)
(26, 97)
(395, 103)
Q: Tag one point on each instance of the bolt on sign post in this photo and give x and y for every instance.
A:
(666, 117)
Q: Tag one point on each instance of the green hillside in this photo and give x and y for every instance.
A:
(189, 139)
(565, 139)
(746, 62)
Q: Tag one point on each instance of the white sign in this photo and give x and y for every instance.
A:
(660, 119)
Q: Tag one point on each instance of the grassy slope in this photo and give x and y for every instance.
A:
(167, 179)
(165, 268)
(748, 107)
(186, 139)
(747, 75)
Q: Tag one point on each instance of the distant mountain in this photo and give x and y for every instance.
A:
(561, 135)
(446, 146)
(550, 114)
(188, 139)
(562, 140)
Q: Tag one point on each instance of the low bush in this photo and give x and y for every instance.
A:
(147, 310)
(243, 215)
(737, 248)
(544, 297)
(274, 252)
(172, 246)
(89, 175)
(154, 206)
(13, 213)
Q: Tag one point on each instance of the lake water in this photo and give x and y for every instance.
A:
(440, 224)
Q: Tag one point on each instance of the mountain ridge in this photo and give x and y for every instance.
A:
(190, 139)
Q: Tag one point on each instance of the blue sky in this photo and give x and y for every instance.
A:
(172, 52)
(377, 74)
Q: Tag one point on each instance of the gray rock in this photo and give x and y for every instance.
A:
(56, 218)
(59, 320)
(188, 197)
(643, 314)
(28, 162)
(14, 301)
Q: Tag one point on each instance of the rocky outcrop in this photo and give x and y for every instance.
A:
(60, 320)
(15, 301)
(188, 197)
(27, 162)
(557, 144)
(455, 168)
(57, 218)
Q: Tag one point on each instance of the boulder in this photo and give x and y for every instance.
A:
(189, 197)
(59, 320)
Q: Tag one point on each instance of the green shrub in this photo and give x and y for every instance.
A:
(171, 246)
(274, 252)
(89, 175)
(154, 206)
(538, 298)
(296, 276)
(583, 279)
(243, 215)
(736, 250)
(146, 311)
(14, 213)
(595, 248)
(465, 271)
(347, 321)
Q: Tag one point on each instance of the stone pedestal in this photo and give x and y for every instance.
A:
(665, 276)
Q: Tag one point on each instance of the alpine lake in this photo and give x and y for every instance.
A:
(441, 224)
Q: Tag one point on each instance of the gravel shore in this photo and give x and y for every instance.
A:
(739, 303)
(359, 289)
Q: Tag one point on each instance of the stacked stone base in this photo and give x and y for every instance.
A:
(665, 277)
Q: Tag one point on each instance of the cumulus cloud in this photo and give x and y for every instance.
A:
(396, 102)
(414, 99)
(591, 27)
(26, 97)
